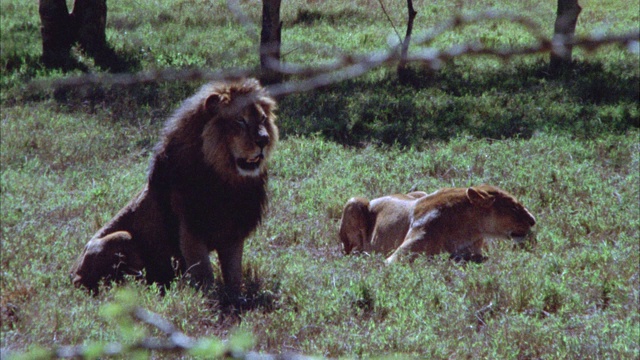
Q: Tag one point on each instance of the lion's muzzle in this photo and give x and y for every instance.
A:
(250, 164)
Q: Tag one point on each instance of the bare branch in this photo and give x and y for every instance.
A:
(491, 15)
(305, 78)
(143, 77)
(411, 12)
(384, 10)
(356, 66)
(175, 341)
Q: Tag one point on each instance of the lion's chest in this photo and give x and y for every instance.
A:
(220, 214)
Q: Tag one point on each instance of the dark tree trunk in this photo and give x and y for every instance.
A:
(563, 31)
(270, 42)
(85, 25)
(403, 73)
(57, 34)
(90, 17)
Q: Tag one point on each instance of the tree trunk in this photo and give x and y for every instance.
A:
(270, 42)
(563, 32)
(403, 74)
(86, 25)
(57, 34)
(90, 17)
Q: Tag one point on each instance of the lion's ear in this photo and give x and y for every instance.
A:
(480, 198)
(212, 103)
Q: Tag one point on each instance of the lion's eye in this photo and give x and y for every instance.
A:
(241, 122)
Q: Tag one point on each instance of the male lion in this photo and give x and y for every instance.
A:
(451, 220)
(206, 191)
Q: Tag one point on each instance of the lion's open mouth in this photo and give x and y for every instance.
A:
(250, 164)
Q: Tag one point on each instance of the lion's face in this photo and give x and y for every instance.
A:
(513, 219)
(251, 139)
(242, 133)
(508, 218)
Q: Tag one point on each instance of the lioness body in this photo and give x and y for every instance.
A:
(378, 225)
(206, 191)
(450, 220)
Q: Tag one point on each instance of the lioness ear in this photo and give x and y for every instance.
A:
(212, 103)
(480, 198)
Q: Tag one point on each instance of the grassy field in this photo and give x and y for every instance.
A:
(568, 148)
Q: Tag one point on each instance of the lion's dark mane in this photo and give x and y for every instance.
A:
(215, 207)
(211, 201)
(198, 197)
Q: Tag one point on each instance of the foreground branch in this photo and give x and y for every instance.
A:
(175, 342)
(305, 78)
(352, 67)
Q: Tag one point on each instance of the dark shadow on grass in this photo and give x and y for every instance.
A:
(31, 66)
(30, 63)
(309, 17)
(587, 81)
(110, 60)
(258, 294)
(516, 100)
(125, 103)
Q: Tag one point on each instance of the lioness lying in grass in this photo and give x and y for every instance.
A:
(451, 220)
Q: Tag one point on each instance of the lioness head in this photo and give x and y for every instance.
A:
(507, 218)
(241, 132)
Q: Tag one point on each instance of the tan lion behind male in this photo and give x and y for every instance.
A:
(450, 220)
(206, 191)
(378, 225)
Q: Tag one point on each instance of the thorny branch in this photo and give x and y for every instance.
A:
(175, 341)
(343, 67)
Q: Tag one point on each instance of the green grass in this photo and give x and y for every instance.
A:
(567, 147)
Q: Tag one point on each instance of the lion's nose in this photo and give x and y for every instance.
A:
(263, 141)
(263, 138)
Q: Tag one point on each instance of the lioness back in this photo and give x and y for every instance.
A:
(378, 225)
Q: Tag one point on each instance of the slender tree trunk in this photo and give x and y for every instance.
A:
(402, 66)
(270, 37)
(563, 31)
(57, 34)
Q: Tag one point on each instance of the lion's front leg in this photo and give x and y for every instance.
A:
(196, 256)
(414, 243)
(230, 257)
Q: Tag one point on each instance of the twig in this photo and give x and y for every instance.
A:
(407, 38)
(384, 10)
(345, 67)
(175, 341)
